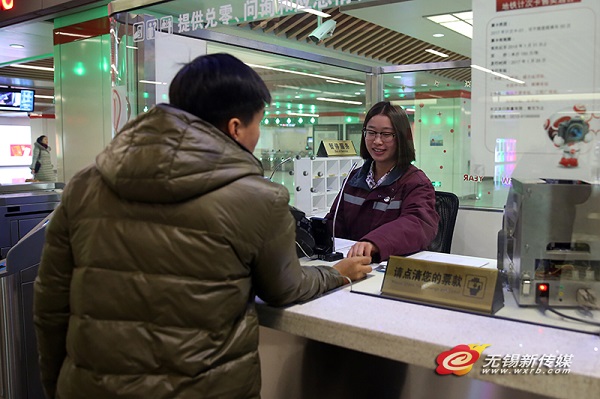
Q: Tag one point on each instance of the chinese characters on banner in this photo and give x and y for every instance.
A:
(225, 14)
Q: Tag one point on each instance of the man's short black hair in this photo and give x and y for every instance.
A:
(218, 87)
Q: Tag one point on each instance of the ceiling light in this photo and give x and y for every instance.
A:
(288, 87)
(466, 16)
(333, 100)
(15, 45)
(72, 34)
(440, 19)
(39, 68)
(436, 53)
(152, 82)
(460, 22)
(438, 35)
(338, 94)
(313, 11)
(461, 27)
(298, 7)
(300, 114)
(306, 74)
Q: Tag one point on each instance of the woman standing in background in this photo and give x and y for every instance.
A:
(41, 154)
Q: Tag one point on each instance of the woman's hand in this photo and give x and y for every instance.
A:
(363, 248)
(355, 268)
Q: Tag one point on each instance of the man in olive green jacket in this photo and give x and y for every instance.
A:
(153, 259)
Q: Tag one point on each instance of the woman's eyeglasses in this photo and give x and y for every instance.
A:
(386, 137)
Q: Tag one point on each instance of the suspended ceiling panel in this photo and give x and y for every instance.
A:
(36, 38)
(408, 17)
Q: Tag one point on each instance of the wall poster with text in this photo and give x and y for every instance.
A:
(536, 66)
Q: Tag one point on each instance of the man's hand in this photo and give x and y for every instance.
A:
(355, 267)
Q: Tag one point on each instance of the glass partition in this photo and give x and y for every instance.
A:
(312, 100)
(496, 113)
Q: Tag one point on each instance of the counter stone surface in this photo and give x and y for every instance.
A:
(416, 334)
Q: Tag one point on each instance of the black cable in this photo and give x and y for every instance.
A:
(310, 257)
(573, 318)
(544, 305)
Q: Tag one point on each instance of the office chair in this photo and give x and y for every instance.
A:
(446, 205)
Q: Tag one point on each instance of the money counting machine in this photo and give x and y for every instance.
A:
(549, 245)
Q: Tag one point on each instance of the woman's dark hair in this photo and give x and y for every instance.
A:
(401, 125)
(218, 87)
(39, 139)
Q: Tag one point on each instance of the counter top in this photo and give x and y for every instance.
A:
(416, 334)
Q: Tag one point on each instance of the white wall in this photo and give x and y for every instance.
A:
(171, 52)
(39, 127)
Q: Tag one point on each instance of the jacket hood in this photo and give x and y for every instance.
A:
(168, 155)
(41, 147)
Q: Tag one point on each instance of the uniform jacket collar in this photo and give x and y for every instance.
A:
(359, 178)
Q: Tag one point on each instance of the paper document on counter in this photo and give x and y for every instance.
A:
(451, 258)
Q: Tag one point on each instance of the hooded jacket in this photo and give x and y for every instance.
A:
(151, 265)
(398, 216)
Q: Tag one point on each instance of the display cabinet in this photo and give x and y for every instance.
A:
(317, 181)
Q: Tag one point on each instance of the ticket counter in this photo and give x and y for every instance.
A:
(348, 344)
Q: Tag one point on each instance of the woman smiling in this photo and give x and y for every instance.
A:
(388, 205)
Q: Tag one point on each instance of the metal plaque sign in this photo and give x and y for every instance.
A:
(336, 148)
(450, 285)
